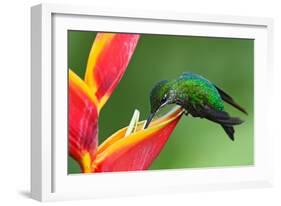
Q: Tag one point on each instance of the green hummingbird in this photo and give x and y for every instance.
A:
(198, 96)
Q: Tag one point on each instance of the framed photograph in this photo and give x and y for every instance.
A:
(137, 102)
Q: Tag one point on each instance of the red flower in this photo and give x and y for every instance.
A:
(132, 148)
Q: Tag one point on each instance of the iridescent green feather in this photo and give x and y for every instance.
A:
(198, 90)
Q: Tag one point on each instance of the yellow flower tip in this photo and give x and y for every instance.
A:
(86, 163)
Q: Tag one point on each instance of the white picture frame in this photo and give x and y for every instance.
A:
(49, 179)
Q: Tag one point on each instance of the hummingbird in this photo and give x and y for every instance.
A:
(198, 97)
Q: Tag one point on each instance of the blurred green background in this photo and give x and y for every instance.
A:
(195, 142)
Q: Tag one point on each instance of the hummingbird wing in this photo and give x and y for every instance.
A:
(227, 98)
(220, 117)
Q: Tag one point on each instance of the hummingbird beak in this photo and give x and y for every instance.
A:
(150, 117)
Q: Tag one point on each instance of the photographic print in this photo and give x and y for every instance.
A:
(152, 102)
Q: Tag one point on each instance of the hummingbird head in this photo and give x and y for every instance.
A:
(160, 95)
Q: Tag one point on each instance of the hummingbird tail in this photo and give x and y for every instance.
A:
(229, 131)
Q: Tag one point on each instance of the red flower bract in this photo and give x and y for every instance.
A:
(107, 62)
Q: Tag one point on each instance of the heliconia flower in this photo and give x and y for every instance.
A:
(137, 150)
(131, 148)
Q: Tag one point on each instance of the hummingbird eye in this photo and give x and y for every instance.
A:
(164, 99)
